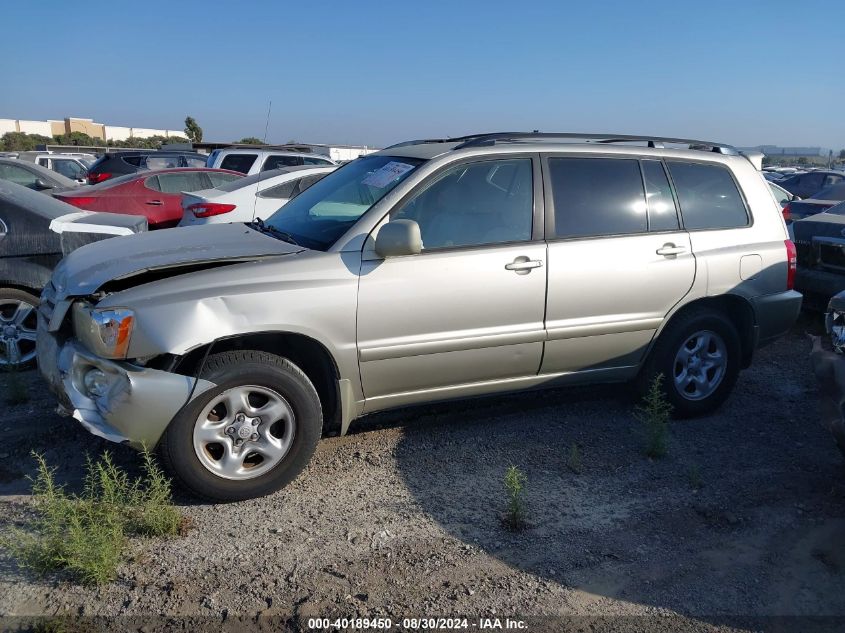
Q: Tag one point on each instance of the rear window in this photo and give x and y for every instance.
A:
(181, 181)
(274, 162)
(238, 162)
(162, 162)
(834, 192)
(597, 196)
(708, 196)
(135, 161)
(219, 178)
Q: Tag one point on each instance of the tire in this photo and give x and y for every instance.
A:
(16, 328)
(208, 468)
(707, 387)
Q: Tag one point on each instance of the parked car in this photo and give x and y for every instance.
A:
(34, 176)
(69, 166)
(430, 270)
(157, 195)
(824, 199)
(820, 245)
(252, 161)
(116, 164)
(244, 199)
(29, 250)
(808, 184)
(828, 361)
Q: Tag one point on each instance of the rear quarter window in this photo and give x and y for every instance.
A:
(708, 196)
(238, 162)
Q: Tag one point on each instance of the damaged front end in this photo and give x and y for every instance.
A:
(828, 361)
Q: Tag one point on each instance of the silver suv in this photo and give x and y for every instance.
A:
(431, 270)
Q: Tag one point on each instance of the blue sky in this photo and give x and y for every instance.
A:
(743, 72)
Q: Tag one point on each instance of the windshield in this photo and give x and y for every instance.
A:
(318, 216)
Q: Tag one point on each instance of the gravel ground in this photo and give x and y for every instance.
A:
(403, 518)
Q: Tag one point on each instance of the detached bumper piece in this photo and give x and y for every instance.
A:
(118, 401)
(829, 368)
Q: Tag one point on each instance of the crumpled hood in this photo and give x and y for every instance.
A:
(86, 269)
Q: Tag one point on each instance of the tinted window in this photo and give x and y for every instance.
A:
(218, 178)
(597, 196)
(274, 162)
(306, 182)
(836, 192)
(708, 196)
(69, 168)
(468, 205)
(135, 161)
(193, 161)
(662, 215)
(238, 162)
(284, 190)
(310, 160)
(831, 179)
(181, 181)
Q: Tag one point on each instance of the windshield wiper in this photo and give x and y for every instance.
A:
(272, 230)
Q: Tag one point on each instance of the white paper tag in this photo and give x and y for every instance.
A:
(387, 174)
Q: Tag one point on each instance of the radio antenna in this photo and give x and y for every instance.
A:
(261, 163)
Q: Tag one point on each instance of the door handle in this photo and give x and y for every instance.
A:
(155, 203)
(670, 250)
(522, 265)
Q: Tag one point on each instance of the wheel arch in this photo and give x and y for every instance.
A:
(735, 308)
(307, 353)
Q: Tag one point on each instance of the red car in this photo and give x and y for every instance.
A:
(154, 194)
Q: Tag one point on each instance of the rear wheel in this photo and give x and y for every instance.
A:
(698, 355)
(18, 325)
(251, 434)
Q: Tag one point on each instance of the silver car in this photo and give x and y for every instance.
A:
(430, 270)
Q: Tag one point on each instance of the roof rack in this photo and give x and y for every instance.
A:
(477, 140)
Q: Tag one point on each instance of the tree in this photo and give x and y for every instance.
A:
(192, 129)
(22, 142)
(251, 140)
(77, 138)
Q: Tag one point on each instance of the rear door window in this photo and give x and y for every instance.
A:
(708, 196)
(69, 168)
(597, 196)
(238, 162)
(182, 181)
(274, 162)
(18, 175)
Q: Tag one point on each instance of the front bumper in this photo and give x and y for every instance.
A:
(138, 403)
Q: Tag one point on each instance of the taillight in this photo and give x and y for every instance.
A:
(787, 212)
(791, 264)
(79, 201)
(207, 209)
(93, 179)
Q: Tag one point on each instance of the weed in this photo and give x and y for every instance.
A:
(654, 413)
(515, 481)
(85, 535)
(573, 462)
(694, 477)
(16, 391)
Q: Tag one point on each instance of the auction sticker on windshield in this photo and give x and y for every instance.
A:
(387, 174)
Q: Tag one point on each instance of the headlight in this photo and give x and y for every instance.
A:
(104, 331)
(835, 325)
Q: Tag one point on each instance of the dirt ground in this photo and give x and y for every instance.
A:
(402, 518)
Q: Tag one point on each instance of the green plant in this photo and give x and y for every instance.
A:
(85, 535)
(192, 129)
(654, 413)
(573, 462)
(694, 477)
(16, 391)
(515, 481)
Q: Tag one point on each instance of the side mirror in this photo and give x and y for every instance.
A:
(795, 198)
(42, 184)
(399, 237)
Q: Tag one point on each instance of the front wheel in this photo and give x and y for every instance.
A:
(698, 355)
(18, 325)
(251, 434)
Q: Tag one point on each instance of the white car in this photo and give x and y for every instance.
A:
(244, 199)
(252, 161)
